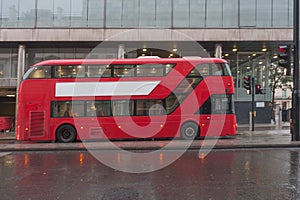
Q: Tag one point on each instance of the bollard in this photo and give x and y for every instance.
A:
(280, 118)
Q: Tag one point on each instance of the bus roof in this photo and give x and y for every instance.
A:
(128, 61)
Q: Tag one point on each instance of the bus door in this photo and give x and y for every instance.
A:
(214, 113)
(212, 125)
(36, 125)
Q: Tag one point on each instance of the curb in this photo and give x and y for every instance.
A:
(31, 147)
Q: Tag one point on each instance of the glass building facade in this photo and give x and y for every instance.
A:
(146, 13)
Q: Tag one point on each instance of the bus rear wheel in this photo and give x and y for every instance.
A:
(66, 133)
(189, 131)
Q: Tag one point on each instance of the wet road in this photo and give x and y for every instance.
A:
(223, 174)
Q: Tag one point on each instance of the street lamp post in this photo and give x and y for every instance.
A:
(296, 93)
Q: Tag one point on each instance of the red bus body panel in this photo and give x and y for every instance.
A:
(34, 121)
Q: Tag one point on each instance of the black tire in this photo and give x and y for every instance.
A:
(189, 131)
(66, 133)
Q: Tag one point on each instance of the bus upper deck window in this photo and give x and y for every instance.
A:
(38, 72)
(227, 71)
(220, 69)
(69, 71)
(216, 70)
(199, 70)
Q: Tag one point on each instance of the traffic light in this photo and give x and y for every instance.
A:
(258, 89)
(285, 58)
(247, 84)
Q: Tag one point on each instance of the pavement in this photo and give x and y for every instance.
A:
(263, 136)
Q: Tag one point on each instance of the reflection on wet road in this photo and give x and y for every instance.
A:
(223, 174)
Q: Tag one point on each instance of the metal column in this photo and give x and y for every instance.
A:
(296, 94)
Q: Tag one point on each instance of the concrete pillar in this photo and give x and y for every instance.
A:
(121, 51)
(20, 73)
(218, 51)
(21, 63)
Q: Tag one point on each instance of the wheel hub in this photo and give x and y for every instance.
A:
(189, 131)
(66, 134)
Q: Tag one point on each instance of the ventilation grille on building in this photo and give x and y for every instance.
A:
(37, 123)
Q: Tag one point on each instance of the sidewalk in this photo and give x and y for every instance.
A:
(7, 136)
(269, 137)
(270, 126)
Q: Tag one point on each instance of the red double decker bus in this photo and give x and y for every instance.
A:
(68, 100)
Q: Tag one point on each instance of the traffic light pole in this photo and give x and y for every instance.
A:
(296, 94)
(253, 103)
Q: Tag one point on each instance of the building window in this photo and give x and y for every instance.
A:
(214, 13)
(280, 13)
(197, 13)
(45, 13)
(163, 13)
(247, 13)
(230, 13)
(147, 14)
(284, 93)
(96, 13)
(113, 13)
(26, 14)
(264, 13)
(181, 14)
(62, 12)
(8, 63)
(130, 13)
(10, 13)
(79, 13)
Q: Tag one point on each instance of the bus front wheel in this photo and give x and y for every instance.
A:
(189, 131)
(66, 133)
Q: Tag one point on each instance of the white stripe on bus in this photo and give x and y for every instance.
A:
(130, 88)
